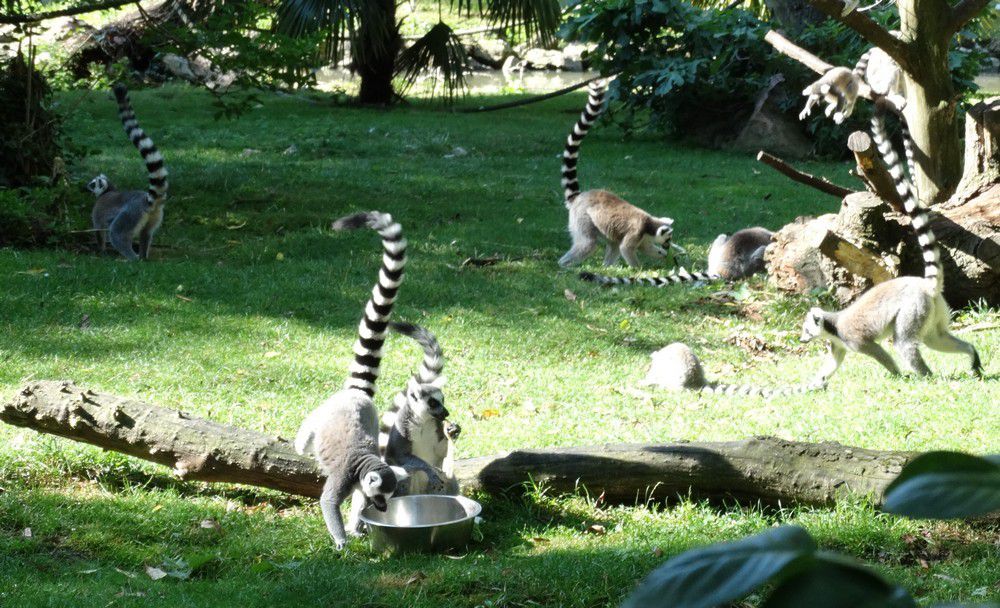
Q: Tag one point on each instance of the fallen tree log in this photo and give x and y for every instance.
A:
(763, 469)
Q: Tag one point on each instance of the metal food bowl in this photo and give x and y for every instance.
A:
(422, 522)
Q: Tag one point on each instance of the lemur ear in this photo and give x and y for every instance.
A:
(412, 386)
(373, 480)
(439, 382)
(400, 473)
(669, 221)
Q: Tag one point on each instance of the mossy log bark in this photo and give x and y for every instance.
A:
(763, 469)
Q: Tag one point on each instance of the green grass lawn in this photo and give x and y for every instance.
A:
(247, 314)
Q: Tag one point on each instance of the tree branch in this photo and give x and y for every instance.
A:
(964, 11)
(790, 49)
(65, 12)
(869, 30)
(819, 183)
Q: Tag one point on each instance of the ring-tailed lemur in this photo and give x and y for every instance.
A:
(342, 433)
(732, 257)
(676, 278)
(739, 255)
(911, 309)
(122, 216)
(416, 433)
(598, 213)
(677, 367)
(839, 87)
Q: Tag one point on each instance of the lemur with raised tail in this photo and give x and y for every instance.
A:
(415, 431)
(119, 216)
(910, 309)
(597, 214)
(676, 367)
(342, 433)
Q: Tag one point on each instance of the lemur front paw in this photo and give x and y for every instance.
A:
(452, 430)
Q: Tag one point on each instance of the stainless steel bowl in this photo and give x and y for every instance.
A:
(422, 522)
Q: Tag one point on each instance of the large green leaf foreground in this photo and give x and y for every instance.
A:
(763, 469)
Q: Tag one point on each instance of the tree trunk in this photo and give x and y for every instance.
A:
(763, 469)
(967, 228)
(930, 99)
(378, 45)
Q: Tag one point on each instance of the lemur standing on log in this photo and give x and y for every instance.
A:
(342, 433)
(597, 214)
(122, 216)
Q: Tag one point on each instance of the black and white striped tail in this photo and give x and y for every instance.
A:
(594, 108)
(861, 67)
(430, 369)
(374, 324)
(718, 388)
(157, 190)
(433, 362)
(681, 276)
(919, 215)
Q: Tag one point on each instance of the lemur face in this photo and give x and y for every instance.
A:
(426, 400)
(812, 327)
(664, 232)
(379, 486)
(99, 185)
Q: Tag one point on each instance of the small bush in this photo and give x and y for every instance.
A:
(29, 129)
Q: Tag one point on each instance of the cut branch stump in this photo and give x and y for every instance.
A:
(763, 469)
(873, 170)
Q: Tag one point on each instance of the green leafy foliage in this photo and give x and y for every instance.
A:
(29, 129)
(834, 581)
(687, 67)
(944, 485)
(718, 574)
(724, 572)
(698, 71)
(439, 49)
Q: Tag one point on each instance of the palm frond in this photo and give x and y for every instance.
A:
(341, 20)
(438, 49)
(536, 18)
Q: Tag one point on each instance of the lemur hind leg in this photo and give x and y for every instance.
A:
(913, 361)
(578, 253)
(907, 336)
(942, 340)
